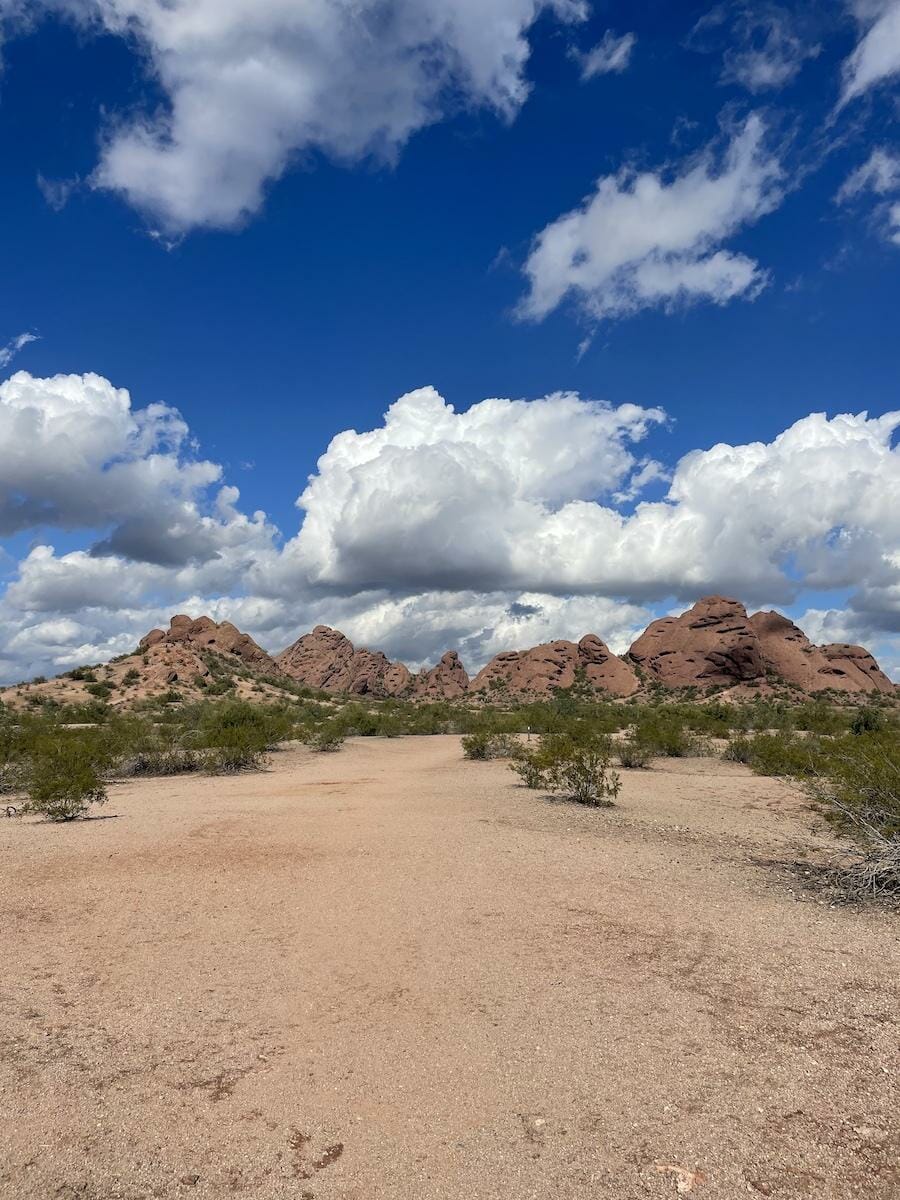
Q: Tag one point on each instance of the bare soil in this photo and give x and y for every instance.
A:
(392, 973)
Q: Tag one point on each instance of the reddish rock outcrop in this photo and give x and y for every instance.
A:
(712, 644)
(203, 634)
(446, 681)
(788, 650)
(328, 660)
(854, 669)
(541, 670)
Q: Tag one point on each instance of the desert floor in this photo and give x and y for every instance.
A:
(392, 973)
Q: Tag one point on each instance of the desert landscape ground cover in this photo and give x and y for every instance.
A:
(396, 972)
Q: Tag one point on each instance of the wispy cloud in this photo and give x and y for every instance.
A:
(11, 349)
(610, 56)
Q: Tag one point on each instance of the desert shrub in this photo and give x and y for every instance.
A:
(577, 768)
(867, 720)
(163, 761)
(83, 674)
(762, 714)
(64, 776)
(238, 754)
(484, 745)
(220, 686)
(739, 749)
(100, 691)
(783, 754)
(131, 677)
(858, 788)
(235, 735)
(662, 733)
(633, 753)
(817, 716)
(325, 740)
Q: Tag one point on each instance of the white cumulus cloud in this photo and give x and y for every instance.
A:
(76, 455)
(654, 239)
(252, 85)
(507, 524)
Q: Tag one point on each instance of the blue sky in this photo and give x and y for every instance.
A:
(279, 272)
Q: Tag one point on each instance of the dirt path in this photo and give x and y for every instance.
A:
(390, 973)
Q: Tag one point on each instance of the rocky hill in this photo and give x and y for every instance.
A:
(190, 659)
(540, 671)
(715, 644)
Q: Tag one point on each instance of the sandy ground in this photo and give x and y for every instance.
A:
(392, 973)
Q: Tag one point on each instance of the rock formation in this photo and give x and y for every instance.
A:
(328, 660)
(538, 672)
(203, 634)
(856, 670)
(177, 658)
(446, 681)
(788, 650)
(712, 644)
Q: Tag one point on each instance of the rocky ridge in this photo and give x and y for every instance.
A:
(713, 645)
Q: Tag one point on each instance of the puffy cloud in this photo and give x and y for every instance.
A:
(253, 84)
(78, 456)
(653, 239)
(877, 56)
(610, 56)
(880, 174)
(767, 43)
(439, 498)
(497, 527)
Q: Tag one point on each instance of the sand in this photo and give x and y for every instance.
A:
(392, 973)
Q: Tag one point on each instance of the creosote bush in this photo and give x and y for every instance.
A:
(64, 777)
(577, 768)
(634, 753)
(325, 740)
(858, 789)
(484, 744)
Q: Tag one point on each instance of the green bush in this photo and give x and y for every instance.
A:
(633, 753)
(784, 754)
(739, 749)
(485, 745)
(663, 734)
(858, 788)
(100, 691)
(578, 769)
(326, 739)
(239, 754)
(867, 720)
(64, 776)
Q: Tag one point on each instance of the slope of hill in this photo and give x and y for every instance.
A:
(189, 660)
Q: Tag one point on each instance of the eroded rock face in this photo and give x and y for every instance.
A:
(712, 644)
(788, 650)
(203, 634)
(543, 669)
(854, 669)
(797, 660)
(328, 660)
(446, 681)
